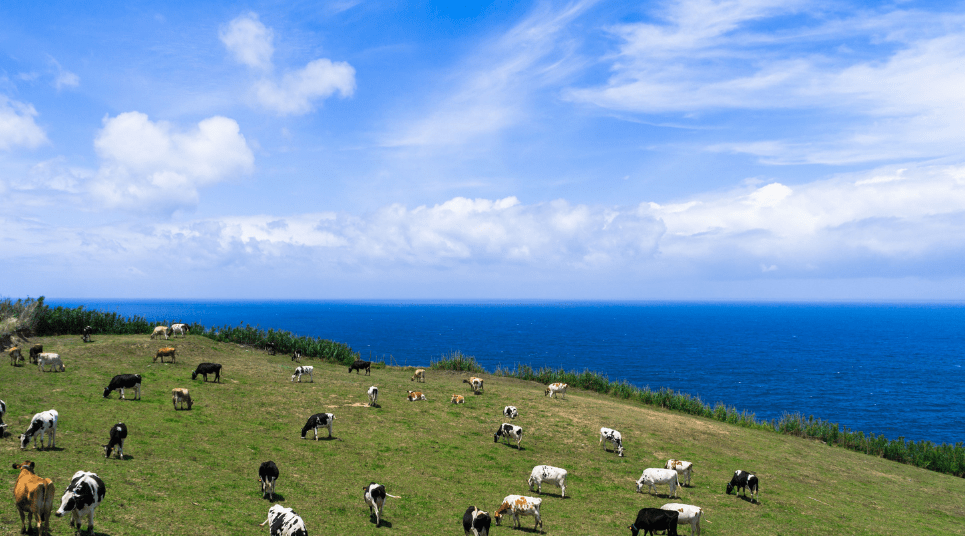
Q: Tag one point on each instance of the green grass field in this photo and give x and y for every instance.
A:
(195, 472)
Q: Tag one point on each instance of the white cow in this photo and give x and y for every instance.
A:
(652, 477)
(373, 395)
(303, 370)
(519, 505)
(684, 469)
(179, 329)
(158, 331)
(554, 389)
(609, 435)
(43, 422)
(687, 515)
(284, 522)
(50, 360)
(549, 474)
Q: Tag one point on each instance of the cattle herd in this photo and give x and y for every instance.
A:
(34, 495)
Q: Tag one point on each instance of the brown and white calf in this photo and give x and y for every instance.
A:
(476, 383)
(457, 399)
(165, 352)
(684, 470)
(415, 395)
(554, 389)
(519, 505)
(15, 356)
(180, 395)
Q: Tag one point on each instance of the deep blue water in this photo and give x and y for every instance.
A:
(892, 369)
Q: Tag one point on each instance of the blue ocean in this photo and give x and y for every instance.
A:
(892, 369)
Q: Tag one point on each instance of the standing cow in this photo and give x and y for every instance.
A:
(267, 475)
(42, 423)
(85, 492)
(476, 521)
(34, 497)
(118, 435)
(374, 495)
(319, 420)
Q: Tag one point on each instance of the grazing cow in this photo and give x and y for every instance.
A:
(124, 381)
(652, 477)
(208, 368)
(284, 522)
(476, 521)
(88, 331)
(35, 350)
(609, 435)
(554, 389)
(15, 356)
(317, 421)
(167, 351)
(511, 412)
(373, 396)
(550, 474)
(50, 360)
(686, 515)
(375, 497)
(270, 348)
(415, 395)
(359, 365)
(457, 399)
(85, 492)
(302, 370)
(118, 435)
(158, 331)
(3, 411)
(34, 497)
(182, 396)
(267, 475)
(509, 431)
(43, 422)
(476, 383)
(297, 356)
(179, 329)
(650, 520)
(745, 482)
(420, 374)
(519, 505)
(684, 469)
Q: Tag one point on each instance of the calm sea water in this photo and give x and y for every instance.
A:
(891, 369)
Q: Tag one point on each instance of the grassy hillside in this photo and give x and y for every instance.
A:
(195, 472)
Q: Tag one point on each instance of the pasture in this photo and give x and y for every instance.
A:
(195, 472)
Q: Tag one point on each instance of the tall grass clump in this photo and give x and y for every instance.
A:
(19, 317)
(457, 361)
(285, 342)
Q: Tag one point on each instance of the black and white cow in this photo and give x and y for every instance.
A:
(509, 431)
(284, 522)
(609, 435)
(3, 411)
(319, 420)
(207, 368)
(375, 497)
(654, 519)
(270, 348)
(88, 331)
(476, 521)
(85, 492)
(303, 371)
(118, 435)
(124, 381)
(297, 356)
(745, 481)
(267, 475)
(374, 396)
(43, 422)
(511, 412)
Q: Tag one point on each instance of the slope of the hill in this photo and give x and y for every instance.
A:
(195, 472)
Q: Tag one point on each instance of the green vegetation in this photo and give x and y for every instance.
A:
(457, 362)
(195, 472)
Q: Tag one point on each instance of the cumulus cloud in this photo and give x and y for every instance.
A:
(17, 125)
(249, 41)
(295, 92)
(154, 166)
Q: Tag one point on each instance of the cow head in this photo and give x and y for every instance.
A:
(730, 487)
(194, 375)
(107, 450)
(68, 503)
(24, 441)
(28, 465)
(107, 392)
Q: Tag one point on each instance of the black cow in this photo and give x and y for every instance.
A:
(124, 381)
(270, 348)
(118, 435)
(83, 495)
(359, 365)
(650, 520)
(745, 481)
(207, 368)
(476, 521)
(317, 421)
(88, 330)
(267, 475)
(35, 351)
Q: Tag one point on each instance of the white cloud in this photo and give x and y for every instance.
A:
(152, 165)
(17, 125)
(297, 91)
(63, 78)
(249, 41)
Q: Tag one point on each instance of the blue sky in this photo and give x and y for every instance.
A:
(737, 150)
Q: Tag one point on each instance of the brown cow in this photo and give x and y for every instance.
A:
(165, 352)
(34, 496)
(15, 356)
